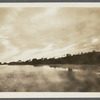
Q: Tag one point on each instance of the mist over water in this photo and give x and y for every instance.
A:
(25, 78)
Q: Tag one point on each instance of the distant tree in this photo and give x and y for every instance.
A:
(0, 63)
(19, 61)
(82, 53)
(4, 63)
(68, 55)
(93, 51)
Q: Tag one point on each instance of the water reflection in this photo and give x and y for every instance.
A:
(48, 79)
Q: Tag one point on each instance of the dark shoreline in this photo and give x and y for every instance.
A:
(90, 58)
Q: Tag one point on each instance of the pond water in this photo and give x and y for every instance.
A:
(27, 78)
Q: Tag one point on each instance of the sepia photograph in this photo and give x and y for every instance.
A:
(49, 49)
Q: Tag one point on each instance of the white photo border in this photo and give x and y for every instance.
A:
(50, 94)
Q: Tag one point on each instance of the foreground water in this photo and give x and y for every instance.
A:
(26, 78)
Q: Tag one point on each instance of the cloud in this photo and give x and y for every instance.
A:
(47, 32)
(95, 40)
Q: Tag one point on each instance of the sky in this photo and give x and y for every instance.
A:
(37, 32)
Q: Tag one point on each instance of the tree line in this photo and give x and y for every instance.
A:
(82, 58)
